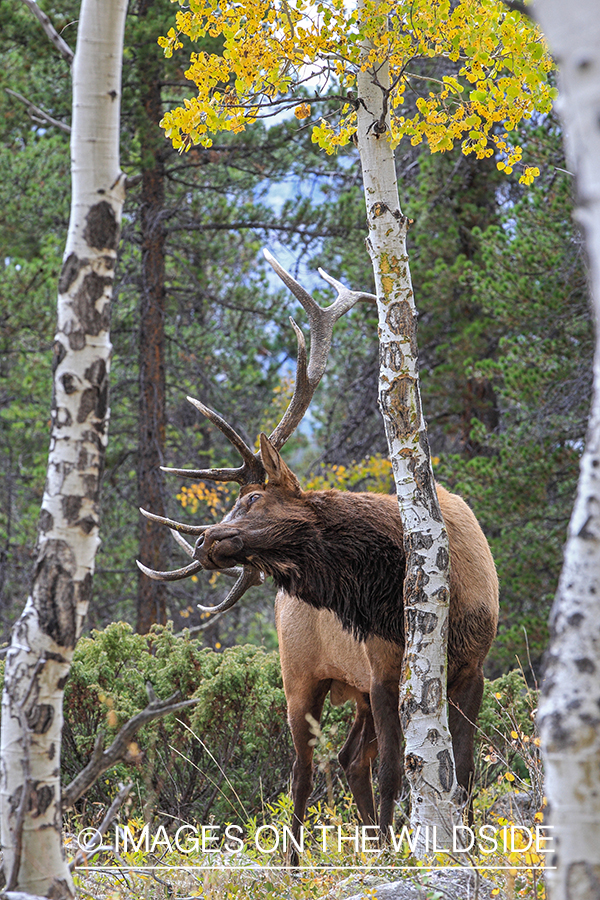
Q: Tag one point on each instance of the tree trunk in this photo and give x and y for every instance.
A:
(41, 651)
(569, 710)
(151, 600)
(428, 748)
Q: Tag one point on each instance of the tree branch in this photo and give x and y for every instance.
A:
(101, 759)
(95, 845)
(38, 114)
(51, 32)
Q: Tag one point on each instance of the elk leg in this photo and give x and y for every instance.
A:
(384, 703)
(310, 703)
(356, 757)
(464, 700)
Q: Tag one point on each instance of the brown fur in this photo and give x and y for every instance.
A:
(338, 560)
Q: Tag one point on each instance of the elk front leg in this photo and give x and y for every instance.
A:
(356, 757)
(311, 703)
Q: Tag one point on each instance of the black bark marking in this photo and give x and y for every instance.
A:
(63, 417)
(446, 770)
(583, 880)
(586, 533)
(40, 798)
(423, 622)
(575, 620)
(418, 540)
(414, 763)
(391, 355)
(52, 751)
(96, 373)
(400, 318)
(399, 403)
(95, 399)
(58, 354)
(69, 383)
(414, 586)
(84, 305)
(102, 229)
(46, 521)
(91, 485)
(433, 736)
(83, 592)
(442, 559)
(40, 718)
(87, 405)
(88, 524)
(60, 684)
(77, 340)
(432, 695)
(71, 507)
(585, 665)
(442, 596)
(53, 592)
(94, 438)
(69, 272)
(560, 737)
(378, 208)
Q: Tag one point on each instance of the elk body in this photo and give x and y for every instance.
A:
(338, 561)
(342, 553)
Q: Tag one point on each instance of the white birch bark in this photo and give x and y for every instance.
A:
(43, 640)
(429, 758)
(569, 710)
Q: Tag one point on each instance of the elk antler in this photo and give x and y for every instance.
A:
(308, 376)
(320, 322)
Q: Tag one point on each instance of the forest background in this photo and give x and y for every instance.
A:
(505, 337)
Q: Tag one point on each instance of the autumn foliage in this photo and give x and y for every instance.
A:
(493, 72)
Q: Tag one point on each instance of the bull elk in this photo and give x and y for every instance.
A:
(338, 561)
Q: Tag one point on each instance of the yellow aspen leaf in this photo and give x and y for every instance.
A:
(302, 111)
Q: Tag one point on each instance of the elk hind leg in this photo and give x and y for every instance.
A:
(356, 757)
(465, 693)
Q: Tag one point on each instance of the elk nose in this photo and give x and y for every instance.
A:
(208, 552)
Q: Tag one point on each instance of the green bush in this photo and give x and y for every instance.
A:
(227, 756)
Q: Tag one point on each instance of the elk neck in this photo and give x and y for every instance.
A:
(344, 554)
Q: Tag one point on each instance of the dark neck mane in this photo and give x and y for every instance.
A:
(348, 559)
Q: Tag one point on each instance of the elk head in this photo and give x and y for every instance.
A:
(221, 547)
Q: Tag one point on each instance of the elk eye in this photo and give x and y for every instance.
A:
(252, 498)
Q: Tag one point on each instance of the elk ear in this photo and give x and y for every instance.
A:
(279, 473)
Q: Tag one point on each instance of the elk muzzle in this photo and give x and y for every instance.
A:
(219, 548)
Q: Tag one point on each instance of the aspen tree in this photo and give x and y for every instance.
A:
(39, 658)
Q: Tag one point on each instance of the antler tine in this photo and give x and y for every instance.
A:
(247, 579)
(250, 473)
(231, 573)
(187, 547)
(321, 322)
(346, 298)
(176, 575)
(300, 399)
(174, 526)
(312, 308)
